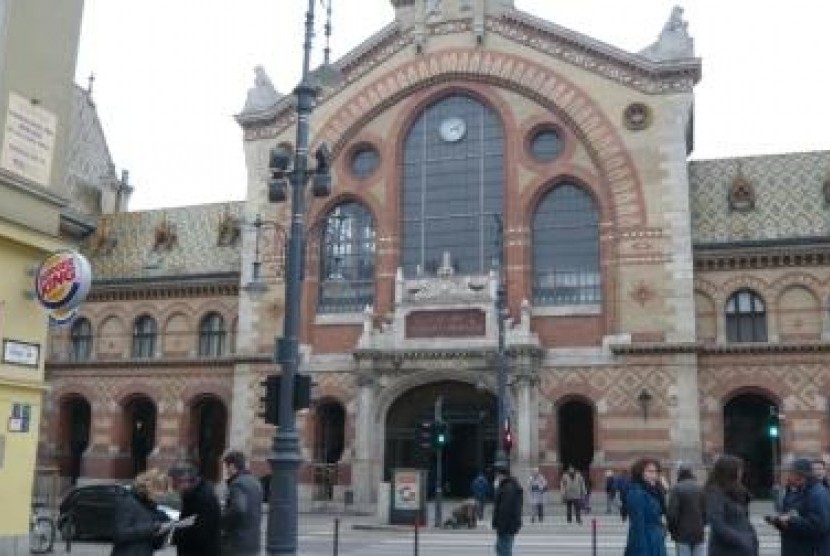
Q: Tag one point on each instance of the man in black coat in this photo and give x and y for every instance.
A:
(204, 537)
(507, 510)
(805, 523)
(686, 514)
(242, 515)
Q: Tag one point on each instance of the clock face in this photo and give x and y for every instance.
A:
(452, 129)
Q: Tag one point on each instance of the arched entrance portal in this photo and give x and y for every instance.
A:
(745, 420)
(76, 418)
(576, 434)
(210, 420)
(471, 415)
(141, 423)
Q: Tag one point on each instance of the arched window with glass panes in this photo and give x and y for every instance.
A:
(566, 259)
(212, 335)
(144, 337)
(80, 337)
(347, 260)
(452, 188)
(746, 317)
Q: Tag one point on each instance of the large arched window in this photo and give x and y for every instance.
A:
(746, 317)
(80, 336)
(212, 335)
(144, 337)
(453, 185)
(566, 267)
(347, 260)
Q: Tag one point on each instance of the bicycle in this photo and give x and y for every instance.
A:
(41, 531)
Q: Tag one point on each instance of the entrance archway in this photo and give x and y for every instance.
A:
(329, 442)
(141, 426)
(471, 416)
(210, 420)
(576, 434)
(745, 421)
(76, 419)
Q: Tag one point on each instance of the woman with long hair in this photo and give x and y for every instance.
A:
(138, 528)
(727, 511)
(646, 506)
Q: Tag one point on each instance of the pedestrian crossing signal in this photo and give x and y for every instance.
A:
(442, 434)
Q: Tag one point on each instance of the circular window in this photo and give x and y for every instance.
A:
(637, 116)
(365, 161)
(546, 145)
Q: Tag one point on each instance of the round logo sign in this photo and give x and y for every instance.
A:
(62, 317)
(63, 280)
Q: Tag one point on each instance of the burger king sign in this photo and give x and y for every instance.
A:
(62, 282)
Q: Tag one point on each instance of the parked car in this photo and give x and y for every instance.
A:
(88, 511)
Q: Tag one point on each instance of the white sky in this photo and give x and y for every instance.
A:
(170, 74)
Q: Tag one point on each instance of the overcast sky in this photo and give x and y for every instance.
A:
(170, 74)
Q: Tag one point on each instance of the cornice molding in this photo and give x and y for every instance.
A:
(123, 366)
(714, 349)
(728, 257)
(445, 354)
(222, 285)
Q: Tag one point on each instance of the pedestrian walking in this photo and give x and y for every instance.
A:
(622, 483)
(138, 529)
(727, 511)
(204, 537)
(242, 514)
(820, 472)
(610, 490)
(573, 491)
(804, 524)
(507, 510)
(481, 490)
(537, 486)
(686, 513)
(645, 505)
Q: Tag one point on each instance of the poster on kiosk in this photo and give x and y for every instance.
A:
(408, 501)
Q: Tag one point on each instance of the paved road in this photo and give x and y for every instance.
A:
(552, 538)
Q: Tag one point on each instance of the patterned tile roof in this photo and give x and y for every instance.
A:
(193, 240)
(789, 198)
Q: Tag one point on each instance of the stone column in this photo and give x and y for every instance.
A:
(686, 440)
(526, 412)
(363, 479)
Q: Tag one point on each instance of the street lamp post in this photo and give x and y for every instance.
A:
(501, 458)
(286, 457)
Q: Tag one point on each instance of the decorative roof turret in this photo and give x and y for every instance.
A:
(262, 96)
(674, 42)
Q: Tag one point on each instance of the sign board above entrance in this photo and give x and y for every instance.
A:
(456, 323)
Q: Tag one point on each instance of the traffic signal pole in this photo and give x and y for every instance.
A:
(439, 460)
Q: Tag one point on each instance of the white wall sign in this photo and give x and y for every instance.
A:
(28, 140)
(21, 353)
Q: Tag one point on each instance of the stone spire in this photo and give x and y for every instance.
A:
(674, 42)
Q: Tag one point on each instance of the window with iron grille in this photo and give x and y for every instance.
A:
(144, 337)
(746, 317)
(452, 188)
(566, 267)
(347, 260)
(212, 336)
(80, 337)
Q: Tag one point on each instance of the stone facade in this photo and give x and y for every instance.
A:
(652, 362)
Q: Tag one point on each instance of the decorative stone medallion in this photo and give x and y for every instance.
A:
(637, 116)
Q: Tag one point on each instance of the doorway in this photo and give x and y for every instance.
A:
(745, 434)
(576, 434)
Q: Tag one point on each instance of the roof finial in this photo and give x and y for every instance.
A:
(327, 50)
(90, 80)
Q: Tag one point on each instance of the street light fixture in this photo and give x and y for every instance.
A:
(286, 457)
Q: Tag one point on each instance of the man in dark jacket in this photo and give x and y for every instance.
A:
(507, 510)
(242, 516)
(686, 514)
(805, 523)
(204, 537)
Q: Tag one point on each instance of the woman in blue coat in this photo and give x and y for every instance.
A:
(646, 506)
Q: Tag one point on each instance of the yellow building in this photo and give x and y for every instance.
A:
(36, 108)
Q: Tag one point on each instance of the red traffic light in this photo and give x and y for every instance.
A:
(507, 439)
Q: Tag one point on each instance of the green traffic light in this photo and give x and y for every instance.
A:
(773, 432)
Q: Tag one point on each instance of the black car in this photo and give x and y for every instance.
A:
(88, 511)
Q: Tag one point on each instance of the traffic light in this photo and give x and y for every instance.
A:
(425, 434)
(442, 434)
(773, 426)
(507, 438)
(270, 401)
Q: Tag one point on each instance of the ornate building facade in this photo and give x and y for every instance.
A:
(654, 305)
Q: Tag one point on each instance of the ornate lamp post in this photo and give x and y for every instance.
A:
(286, 457)
(505, 438)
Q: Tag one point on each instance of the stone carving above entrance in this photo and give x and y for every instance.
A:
(456, 323)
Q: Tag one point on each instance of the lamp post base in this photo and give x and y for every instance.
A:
(283, 507)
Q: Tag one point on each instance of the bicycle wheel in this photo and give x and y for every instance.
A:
(42, 536)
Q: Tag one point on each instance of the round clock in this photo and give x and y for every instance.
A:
(452, 129)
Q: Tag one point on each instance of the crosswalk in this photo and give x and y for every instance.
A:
(534, 540)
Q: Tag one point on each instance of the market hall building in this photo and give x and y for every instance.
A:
(654, 305)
